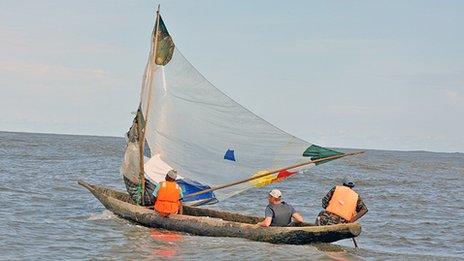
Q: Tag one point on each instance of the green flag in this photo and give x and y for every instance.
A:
(165, 45)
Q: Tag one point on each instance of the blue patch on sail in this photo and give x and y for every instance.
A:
(189, 186)
(229, 155)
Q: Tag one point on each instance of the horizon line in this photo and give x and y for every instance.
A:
(109, 136)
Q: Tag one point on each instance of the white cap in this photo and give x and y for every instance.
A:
(275, 193)
(172, 174)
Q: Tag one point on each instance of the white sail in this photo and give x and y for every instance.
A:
(206, 136)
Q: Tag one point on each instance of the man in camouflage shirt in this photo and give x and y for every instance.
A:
(328, 218)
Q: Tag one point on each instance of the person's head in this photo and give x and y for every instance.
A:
(348, 183)
(171, 175)
(275, 196)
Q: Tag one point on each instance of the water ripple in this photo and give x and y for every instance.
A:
(415, 208)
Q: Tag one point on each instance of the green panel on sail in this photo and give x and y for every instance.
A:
(317, 152)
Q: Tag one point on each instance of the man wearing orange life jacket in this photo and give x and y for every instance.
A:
(167, 196)
(341, 205)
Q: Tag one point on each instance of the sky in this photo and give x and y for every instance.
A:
(350, 74)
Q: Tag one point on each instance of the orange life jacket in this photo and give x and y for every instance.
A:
(167, 201)
(343, 202)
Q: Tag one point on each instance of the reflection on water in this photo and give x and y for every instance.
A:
(415, 207)
(165, 238)
(330, 248)
(164, 252)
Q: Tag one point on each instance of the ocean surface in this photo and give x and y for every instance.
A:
(415, 201)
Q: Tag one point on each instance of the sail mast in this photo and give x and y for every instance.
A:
(142, 132)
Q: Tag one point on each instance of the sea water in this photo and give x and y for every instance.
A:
(415, 201)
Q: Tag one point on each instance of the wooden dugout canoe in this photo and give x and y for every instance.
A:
(214, 223)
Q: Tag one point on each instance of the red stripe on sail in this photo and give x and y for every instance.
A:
(284, 174)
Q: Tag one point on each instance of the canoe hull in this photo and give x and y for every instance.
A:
(214, 223)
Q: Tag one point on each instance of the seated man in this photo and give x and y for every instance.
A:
(341, 205)
(279, 213)
(167, 195)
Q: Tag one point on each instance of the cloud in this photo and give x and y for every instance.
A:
(454, 96)
(431, 77)
(21, 42)
(362, 110)
(23, 63)
(35, 69)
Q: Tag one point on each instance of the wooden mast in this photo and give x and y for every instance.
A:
(140, 131)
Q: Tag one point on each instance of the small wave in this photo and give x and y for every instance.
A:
(105, 215)
(28, 192)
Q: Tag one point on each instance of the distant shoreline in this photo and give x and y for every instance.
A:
(340, 148)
